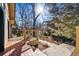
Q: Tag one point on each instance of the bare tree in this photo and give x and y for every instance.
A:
(25, 16)
(35, 18)
(22, 10)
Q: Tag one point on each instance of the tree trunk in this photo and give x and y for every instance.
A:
(34, 20)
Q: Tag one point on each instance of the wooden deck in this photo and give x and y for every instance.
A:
(20, 48)
(30, 52)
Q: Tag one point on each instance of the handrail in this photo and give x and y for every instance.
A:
(77, 41)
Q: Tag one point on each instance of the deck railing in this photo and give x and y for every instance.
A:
(77, 41)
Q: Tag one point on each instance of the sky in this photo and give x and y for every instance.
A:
(28, 8)
(44, 16)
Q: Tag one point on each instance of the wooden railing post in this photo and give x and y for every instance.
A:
(77, 41)
(11, 7)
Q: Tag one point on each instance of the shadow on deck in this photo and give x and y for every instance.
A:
(13, 50)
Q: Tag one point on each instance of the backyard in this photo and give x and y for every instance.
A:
(45, 29)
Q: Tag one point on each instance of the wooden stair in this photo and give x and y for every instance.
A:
(28, 51)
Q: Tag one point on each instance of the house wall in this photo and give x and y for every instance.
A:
(1, 28)
(6, 19)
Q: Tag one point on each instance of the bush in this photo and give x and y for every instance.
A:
(49, 32)
(45, 33)
(18, 34)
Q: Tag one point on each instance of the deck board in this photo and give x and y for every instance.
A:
(39, 53)
(30, 52)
